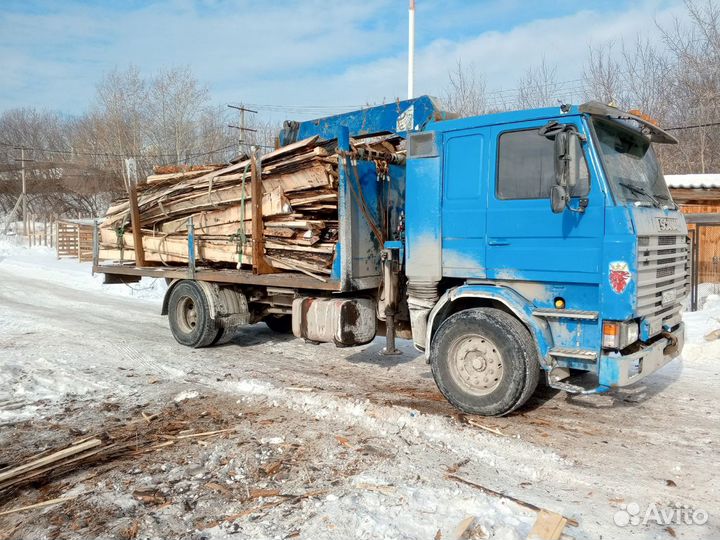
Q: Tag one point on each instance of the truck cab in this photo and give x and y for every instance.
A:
(542, 240)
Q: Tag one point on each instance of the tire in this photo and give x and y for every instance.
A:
(282, 324)
(189, 316)
(223, 336)
(484, 361)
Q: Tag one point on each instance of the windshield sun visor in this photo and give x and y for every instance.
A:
(650, 130)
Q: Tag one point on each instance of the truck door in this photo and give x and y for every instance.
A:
(463, 205)
(525, 239)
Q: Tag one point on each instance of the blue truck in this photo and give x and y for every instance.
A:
(515, 246)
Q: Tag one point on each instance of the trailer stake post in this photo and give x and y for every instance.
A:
(191, 248)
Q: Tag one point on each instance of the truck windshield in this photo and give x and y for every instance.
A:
(631, 166)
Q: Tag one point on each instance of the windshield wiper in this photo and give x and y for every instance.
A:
(666, 198)
(640, 191)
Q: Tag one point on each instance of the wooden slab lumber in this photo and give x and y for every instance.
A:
(135, 220)
(273, 204)
(288, 220)
(290, 148)
(260, 264)
(49, 459)
(310, 177)
(207, 200)
(320, 248)
(207, 250)
(156, 178)
(296, 224)
(282, 232)
(149, 193)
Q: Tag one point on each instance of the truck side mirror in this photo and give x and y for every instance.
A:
(558, 199)
(572, 159)
(562, 158)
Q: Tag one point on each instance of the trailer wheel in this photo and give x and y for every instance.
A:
(223, 336)
(484, 361)
(189, 316)
(282, 324)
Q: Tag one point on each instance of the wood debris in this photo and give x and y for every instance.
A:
(488, 491)
(42, 504)
(548, 526)
(136, 438)
(486, 428)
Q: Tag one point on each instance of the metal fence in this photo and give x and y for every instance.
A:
(704, 232)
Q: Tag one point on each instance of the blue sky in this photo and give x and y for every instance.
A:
(52, 53)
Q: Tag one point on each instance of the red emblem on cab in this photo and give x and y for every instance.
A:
(619, 276)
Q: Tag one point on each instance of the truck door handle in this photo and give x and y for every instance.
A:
(498, 242)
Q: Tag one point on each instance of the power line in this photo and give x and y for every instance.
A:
(709, 124)
(111, 154)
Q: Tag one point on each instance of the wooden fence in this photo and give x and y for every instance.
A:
(75, 238)
(708, 242)
(40, 230)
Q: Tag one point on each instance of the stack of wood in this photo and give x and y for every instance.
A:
(299, 211)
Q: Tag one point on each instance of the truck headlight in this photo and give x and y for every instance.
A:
(618, 335)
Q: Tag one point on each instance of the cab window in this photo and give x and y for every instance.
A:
(526, 169)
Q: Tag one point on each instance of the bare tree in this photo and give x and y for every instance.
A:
(696, 89)
(603, 75)
(176, 101)
(122, 98)
(539, 87)
(465, 94)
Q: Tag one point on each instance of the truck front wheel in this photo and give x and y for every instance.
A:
(189, 316)
(484, 361)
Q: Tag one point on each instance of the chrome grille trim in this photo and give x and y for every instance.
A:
(662, 266)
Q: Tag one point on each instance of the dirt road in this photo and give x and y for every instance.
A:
(377, 438)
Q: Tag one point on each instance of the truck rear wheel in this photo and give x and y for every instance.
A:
(189, 316)
(484, 361)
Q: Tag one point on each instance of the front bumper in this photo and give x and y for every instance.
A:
(623, 370)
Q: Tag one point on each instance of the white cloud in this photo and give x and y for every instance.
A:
(503, 57)
(334, 53)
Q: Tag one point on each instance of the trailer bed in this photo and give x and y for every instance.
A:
(291, 280)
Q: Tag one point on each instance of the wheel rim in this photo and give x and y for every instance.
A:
(475, 364)
(186, 314)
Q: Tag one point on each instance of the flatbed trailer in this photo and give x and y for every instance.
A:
(128, 274)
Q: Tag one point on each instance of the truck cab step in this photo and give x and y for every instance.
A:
(568, 352)
(566, 314)
(577, 389)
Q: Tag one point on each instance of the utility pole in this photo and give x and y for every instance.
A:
(242, 109)
(411, 50)
(22, 161)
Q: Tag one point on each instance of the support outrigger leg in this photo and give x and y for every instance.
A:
(390, 262)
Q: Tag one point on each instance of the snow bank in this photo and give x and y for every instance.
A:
(698, 325)
(41, 263)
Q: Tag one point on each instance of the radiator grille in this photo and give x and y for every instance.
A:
(663, 280)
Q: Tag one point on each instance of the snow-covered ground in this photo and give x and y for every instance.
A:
(366, 445)
(41, 263)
